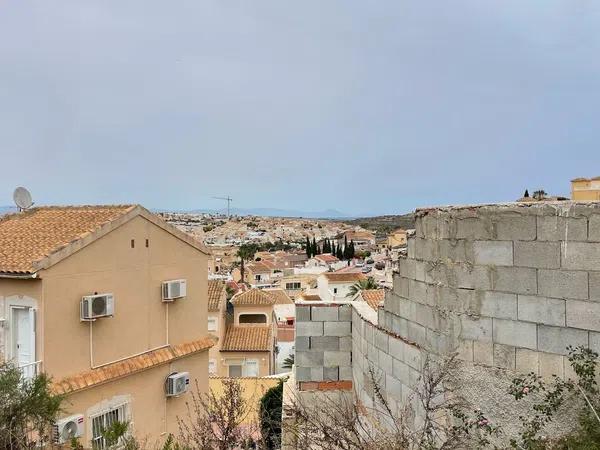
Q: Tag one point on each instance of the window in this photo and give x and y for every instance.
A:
(257, 277)
(212, 324)
(235, 371)
(294, 286)
(251, 368)
(104, 420)
(212, 366)
(335, 290)
(252, 318)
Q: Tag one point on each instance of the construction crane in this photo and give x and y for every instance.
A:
(229, 200)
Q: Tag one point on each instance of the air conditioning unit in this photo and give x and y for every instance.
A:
(173, 289)
(177, 384)
(68, 428)
(96, 306)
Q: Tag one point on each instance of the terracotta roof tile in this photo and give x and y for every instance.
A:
(373, 297)
(311, 297)
(348, 277)
(255, 297)
(247, 339)
(281, 298)
(30, 236)
(216, 288)
(130, 366)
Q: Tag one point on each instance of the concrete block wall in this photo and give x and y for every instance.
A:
(323, 343)
(508, 286)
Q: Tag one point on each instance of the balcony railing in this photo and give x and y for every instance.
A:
(31, 370)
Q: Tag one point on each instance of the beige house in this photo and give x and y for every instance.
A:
(585, 189)
(249, 342)
(82, 294)
(397, 238)
(217, 320)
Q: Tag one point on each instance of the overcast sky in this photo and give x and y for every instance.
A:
(363, 106)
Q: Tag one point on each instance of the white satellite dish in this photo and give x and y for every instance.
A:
(22, 198)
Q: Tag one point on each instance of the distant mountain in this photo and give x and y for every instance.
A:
(274, 212)
(383, 225)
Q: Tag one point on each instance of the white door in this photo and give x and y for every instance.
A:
(23, 336)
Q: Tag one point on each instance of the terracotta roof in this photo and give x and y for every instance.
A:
(281, 298)
(215, 294)
(247, 339)
(348, 277)
(131, 366)
(40, 237)
(258, 267)
(256, 297)
(327, 257)
(373, 297)
(311, 297)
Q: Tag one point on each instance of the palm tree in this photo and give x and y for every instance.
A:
(367, 284)
(288, 362)
(245, 253)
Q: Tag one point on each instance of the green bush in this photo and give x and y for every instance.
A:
(270, 416)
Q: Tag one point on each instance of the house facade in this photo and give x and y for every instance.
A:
(217, 320)
(585, 189)
(114, 365)
(333, 286)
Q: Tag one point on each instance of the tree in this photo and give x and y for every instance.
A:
(308, 248)
(367, 284)
(288, 362)
(352, 250)
(314, 246)
(28, 409)
(333, 251)
(326, 247)
(215, 422)
(539, 194)
(338, 253)
(526, 194)
(246, 252)
(270, 416)
(346, 249)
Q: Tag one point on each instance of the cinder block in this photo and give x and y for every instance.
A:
(417, 291)
(456, 250)
(584, 315)
(556, 339)
(304, 374)
(514, 333)
(595, 286)
(332, 359)
(302, 343)
(470, 277)
(558, 228)
(324, 313)
(309, 328)
(425, 315)
(400, 371)
(549, 311)
(345, 343)
(337, 329)
(505, 356)
(413, 357)
(345, 373)
(400, 286)
(563, 284)
(551, 365)
(309, 359)
(416, 333)
(393, 386)
(410, 244)
(483, 353)
(594, 228)
(420, 270)
(476, 329)
(302, 313)
(381, 340)
(385, 362)
(518, 280)
(396, 348)
(331, 373)
(527, 361)
(493, 253)
(581, 255)
(595, 342)
(345, 313)
(516, 227)
(465, 351)
(543, 255)
(325, 343)
(498, 304)
(473, 228)
(316, 373)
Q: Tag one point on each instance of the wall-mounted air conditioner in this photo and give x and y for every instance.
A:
(68, 428)
(96, 306)
(177, 384)
(173, 289)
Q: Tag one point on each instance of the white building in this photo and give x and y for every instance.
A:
(333, 286)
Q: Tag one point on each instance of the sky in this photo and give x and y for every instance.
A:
(367, 107)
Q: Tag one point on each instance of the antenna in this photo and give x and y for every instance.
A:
(229, 200)
(22, 198)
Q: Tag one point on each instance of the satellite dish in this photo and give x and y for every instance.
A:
(22, 198)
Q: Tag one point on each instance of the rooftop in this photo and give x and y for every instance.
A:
(253, 297)
(215, 294)
(344, 277)
(247, 339)
(373, 297)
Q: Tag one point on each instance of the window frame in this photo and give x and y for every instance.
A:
(122, 415)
